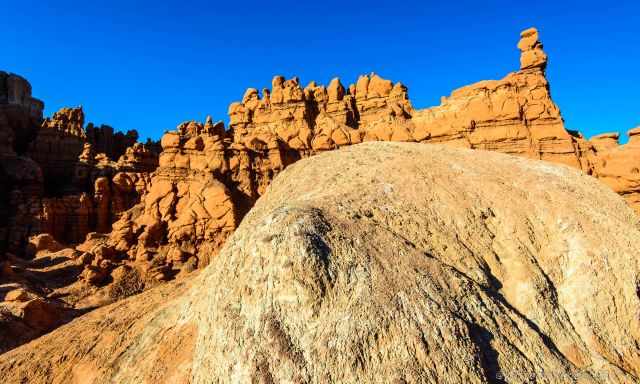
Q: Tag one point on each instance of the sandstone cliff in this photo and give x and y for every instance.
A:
(104, 140)
(188, 212)
(21, 113)
(513, 115)
(20, 177)
(57, 146)
(618, 166)
(489, 269)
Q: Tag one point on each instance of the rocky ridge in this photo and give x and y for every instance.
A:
(270, 130)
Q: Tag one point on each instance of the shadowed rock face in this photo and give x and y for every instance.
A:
(57, 146)
(20, 177)
(111, 144)
(488, 268)
(20, 113)
(53, 181)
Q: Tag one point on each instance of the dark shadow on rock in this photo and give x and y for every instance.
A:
(487, 354)
(56, 278)
(15, 332)
(47, 261)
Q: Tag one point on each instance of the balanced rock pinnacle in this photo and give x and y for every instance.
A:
(532, 55)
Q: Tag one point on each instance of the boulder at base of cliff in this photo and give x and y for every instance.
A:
(385, 262)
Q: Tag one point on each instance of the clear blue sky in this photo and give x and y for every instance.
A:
(149, 65)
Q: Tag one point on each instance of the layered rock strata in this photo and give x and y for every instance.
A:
(53, 180)
(514, 115)
(95, 188)
(187, 212)
(271, 129)
(59, 142)
(618, 166)
(21, 113)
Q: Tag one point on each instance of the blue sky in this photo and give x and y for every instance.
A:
(150, 65)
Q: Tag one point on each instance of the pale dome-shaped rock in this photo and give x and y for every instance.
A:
(489, 268)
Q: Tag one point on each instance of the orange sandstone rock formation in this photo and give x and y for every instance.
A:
(532, 55)
(209, 178)
(20, 112)
(187, 212)
(104, 140)
(618, 166)
(56, 149)
(87, 191)
(513, 115)
(270, 130)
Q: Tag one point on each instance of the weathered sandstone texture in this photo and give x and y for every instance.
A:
(619, 165)
(208, 178)
(188, 212)
(513, 115)
(99, 192)
(50, 288)
(26, 311)
(86, 190)
(57, 146)
(532, 55)
(21, 113)
(489, 269)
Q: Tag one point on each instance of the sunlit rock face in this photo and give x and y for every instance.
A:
(209, 178)
(275, 127)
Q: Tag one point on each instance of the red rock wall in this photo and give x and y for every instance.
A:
(57, 146)
(104, 140)
(20, 177)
